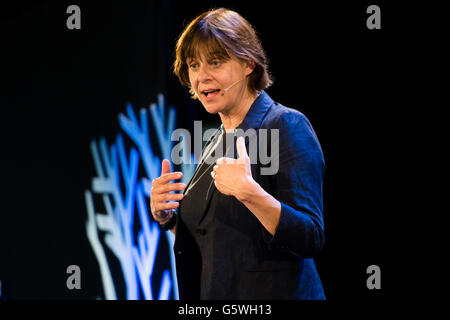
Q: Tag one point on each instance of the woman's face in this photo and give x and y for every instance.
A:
(210, 77)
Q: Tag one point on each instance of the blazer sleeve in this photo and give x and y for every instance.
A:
(298, 186)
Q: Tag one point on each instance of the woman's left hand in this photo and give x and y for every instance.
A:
(233, 177)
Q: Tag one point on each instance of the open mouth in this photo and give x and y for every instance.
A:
(207, 92)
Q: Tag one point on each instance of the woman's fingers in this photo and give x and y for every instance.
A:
(167, 177)
(165, 167)
(166, 205)
(169, 197)
(162, 198)
(168, 187)
(160, 194)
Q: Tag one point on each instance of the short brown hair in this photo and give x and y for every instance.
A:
(222, 32)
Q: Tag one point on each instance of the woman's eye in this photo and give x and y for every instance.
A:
(193, 65)
(216, 63)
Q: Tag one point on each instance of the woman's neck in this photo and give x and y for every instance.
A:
(232, 119)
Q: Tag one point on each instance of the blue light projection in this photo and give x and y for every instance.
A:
(114, 228)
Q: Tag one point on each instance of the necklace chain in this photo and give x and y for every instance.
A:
(194, 182)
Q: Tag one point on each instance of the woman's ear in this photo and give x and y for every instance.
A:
(250, 66)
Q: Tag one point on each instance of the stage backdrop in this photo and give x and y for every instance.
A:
(87, 116)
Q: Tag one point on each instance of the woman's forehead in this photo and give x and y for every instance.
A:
(206, 50)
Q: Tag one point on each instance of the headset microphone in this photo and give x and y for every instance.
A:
(226, 89)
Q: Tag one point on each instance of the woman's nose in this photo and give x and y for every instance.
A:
(203, 74)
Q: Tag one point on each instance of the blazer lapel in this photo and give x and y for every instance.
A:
(212, 188)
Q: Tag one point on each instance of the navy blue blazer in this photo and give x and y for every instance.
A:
(233, 256)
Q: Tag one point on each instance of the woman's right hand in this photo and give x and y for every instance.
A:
(162, 210)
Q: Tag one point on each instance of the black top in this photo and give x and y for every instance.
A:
(192, 209)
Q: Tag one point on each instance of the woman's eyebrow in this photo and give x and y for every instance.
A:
(189, 60)
(220, 57)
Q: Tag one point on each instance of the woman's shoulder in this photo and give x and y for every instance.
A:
(294, 128)
(282, 117)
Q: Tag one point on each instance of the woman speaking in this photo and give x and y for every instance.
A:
(240, 232)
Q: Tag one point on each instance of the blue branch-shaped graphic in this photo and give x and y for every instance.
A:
(137, 260)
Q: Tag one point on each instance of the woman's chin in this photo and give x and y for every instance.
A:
(213, 109)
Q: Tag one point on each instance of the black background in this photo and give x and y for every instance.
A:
(62, 88)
